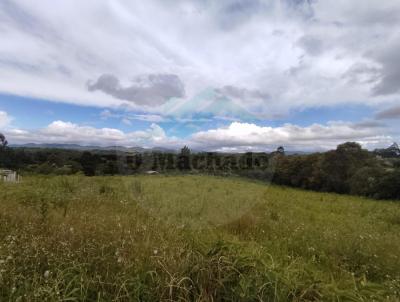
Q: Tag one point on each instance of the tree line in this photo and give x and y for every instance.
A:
(348, 169)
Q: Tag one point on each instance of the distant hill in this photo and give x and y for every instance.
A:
(122, 148)
(88, 148)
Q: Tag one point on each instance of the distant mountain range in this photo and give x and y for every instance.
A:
(88, 148)
(116, 148)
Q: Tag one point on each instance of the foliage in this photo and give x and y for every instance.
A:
(347, 170)
(3, 141)
(184, 159)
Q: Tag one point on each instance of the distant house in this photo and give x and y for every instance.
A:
(392, 151)
(151, 172)
(9, 176)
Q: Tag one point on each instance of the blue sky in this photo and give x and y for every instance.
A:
(228, 75)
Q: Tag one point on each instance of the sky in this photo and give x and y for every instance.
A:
(222, 75)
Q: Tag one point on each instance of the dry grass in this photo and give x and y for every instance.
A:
(193, 238)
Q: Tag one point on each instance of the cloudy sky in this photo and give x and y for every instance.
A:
(227, 75)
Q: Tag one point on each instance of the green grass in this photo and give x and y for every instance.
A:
(193, 238)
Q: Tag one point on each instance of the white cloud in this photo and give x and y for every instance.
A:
(246, 45)
(244, 136)
(5, 119)
(66, 132)
(237, 137)
(268, 58)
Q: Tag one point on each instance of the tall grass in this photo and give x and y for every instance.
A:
(193, 238)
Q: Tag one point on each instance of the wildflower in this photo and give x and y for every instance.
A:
(46, 274)
(155, 252)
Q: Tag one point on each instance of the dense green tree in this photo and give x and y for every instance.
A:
(111, 168)
(184, 159)
(366, 181)
(210, 162)
(340, 165)
(138, 161)
(171, 162)
(89, 163)
(156, 162)
(388, 186)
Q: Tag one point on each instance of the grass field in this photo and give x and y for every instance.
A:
(193, 238)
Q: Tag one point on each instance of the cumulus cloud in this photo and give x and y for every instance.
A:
(5, 119)
(245, 136)
(147, 90)
(271, 57)
(235, 137)
(363, 73)
(231, 42)
(389, 59)
(67, 132)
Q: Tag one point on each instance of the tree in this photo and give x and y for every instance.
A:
(210, 162)
(366, 181)
(185, 151)
(280, 150)
(3, 141)
(249, 158)
(156, 162)
(89, 163)
(338, 166)
(171, 162)
(349, 147)
(389, 186)
(110, 168)
(184, 159)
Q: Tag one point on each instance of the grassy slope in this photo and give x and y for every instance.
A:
(193, 238)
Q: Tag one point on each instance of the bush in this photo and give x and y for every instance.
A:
(388, 186)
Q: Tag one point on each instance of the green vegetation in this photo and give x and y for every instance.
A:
(347, 170)
(193, 238)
